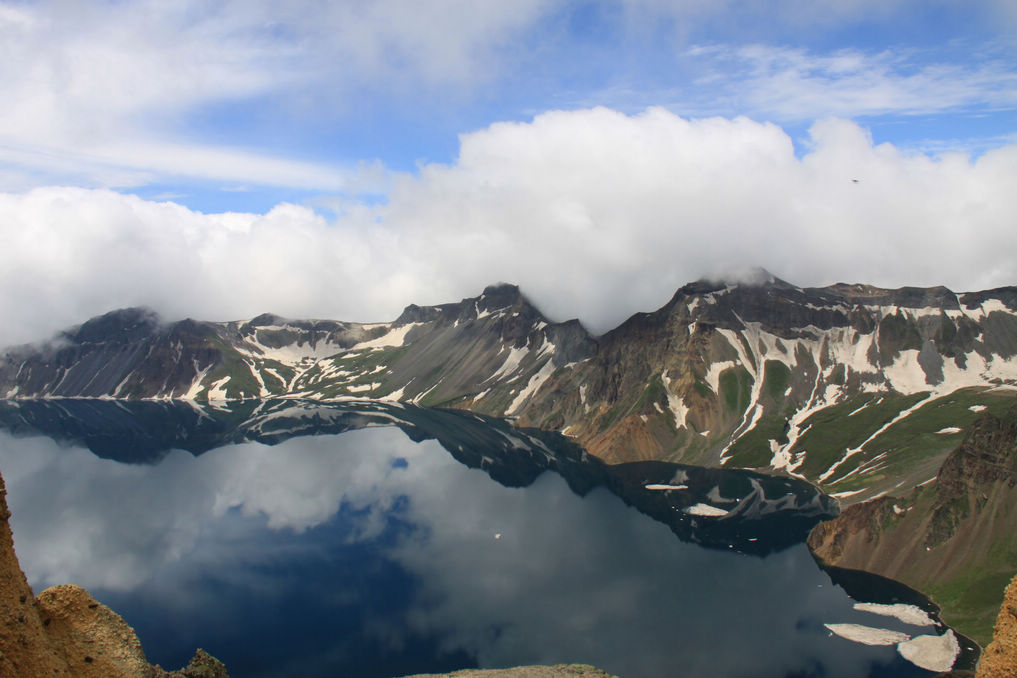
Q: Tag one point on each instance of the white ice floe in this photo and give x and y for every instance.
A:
(932, 653)
(868, 635)
(705, 510)
(977, 408)
(909, 614)
(948, 430)
(661, 486)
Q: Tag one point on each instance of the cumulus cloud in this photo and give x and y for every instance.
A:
(594, 213)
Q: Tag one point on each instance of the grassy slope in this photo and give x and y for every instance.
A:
(906, 454)
(961, 553)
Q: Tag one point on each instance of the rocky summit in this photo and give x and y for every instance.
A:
(859, 389)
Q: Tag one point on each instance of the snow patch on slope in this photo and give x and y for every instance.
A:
(546, 370)
(217, 391)
(675, 403)
(511, 363)
(713, 374)
(394, 337)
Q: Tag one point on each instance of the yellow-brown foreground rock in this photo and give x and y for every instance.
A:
(66, 632)
(91, 639)
(24, 646)
(999, 660)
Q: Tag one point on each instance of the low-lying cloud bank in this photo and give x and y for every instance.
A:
(596, 214)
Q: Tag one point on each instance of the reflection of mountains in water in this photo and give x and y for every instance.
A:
(739, 510)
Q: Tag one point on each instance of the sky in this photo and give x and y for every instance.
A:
(344, 159)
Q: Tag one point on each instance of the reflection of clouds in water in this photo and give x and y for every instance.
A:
(570, 579)
(616, 584)
(99, 523)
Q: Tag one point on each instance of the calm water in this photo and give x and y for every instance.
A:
(371, 554)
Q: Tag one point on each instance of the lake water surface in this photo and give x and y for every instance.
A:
(378, 552)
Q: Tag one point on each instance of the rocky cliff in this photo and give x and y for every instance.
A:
(66, 632)
(952, 538)
(1000, 658)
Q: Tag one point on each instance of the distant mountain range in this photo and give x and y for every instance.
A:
(859, 389)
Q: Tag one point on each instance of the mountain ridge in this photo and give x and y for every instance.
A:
(822, 383)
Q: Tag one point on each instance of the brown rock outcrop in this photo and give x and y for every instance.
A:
(24, 645)
(66, 632)
(999, 660)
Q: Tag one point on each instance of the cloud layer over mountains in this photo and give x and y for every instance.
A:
(595, 213)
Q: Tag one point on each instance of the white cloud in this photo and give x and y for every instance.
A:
(796, 84)
(108, 94)
(594, 213)
(105, 94)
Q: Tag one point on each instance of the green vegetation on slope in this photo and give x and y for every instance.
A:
(735, 389)
(752, 449)
(833, 430)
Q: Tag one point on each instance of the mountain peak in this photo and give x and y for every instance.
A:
(753, 276)
(499, 296)
(122, 325)
(501, 289)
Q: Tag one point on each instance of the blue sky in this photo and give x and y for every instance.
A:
(388, 131)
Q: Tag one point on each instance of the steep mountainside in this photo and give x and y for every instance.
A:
(952, 538)
(850, 386)
(859, 389)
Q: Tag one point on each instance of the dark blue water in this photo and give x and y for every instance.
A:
(370, 554)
